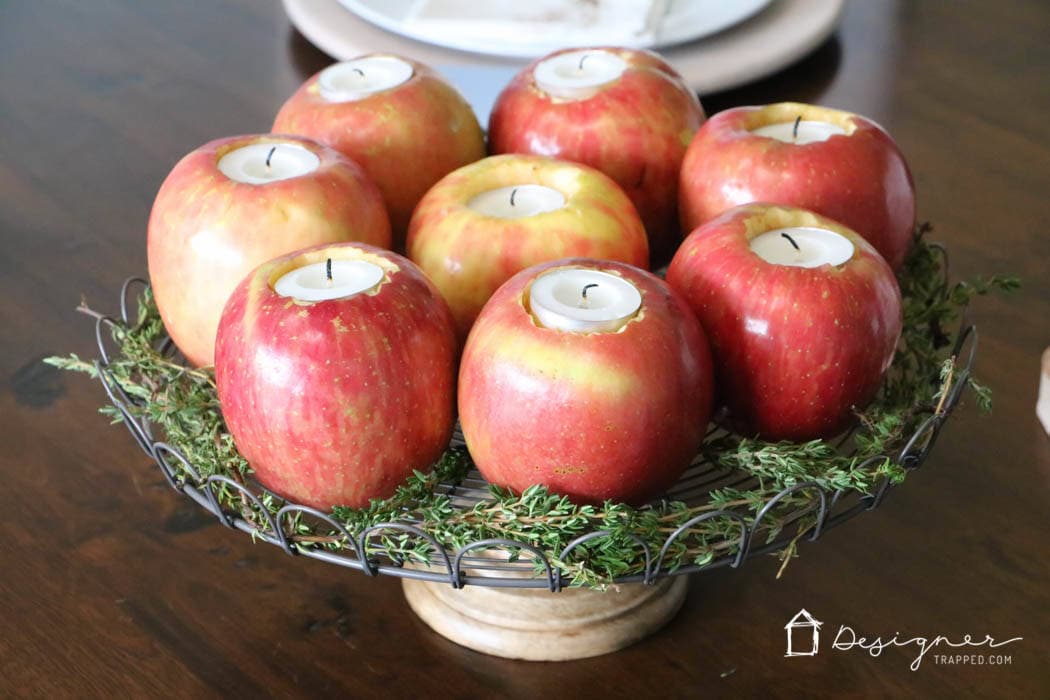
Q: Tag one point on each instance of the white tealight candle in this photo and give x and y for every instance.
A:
(577, 74)
(332, 279)
(517, 201)
(264, 162)
(355, 80)
(581, 300)
(806, 132)
(802, 246)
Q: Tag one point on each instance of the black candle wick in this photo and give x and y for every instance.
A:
(790, 240)
(794, 131)
(328, 269)
(588, 286)
(512, 193)
(269, 156)
(583, 58)
(358, 71)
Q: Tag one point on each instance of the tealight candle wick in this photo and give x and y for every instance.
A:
(512, 193)
(794, 134)
(328, 271)
(358, 71)
(579, 66)
(269, 156)
(791, 241)
(584, 303)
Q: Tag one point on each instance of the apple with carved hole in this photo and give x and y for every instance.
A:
(592, 378)
(488, 220)
(803, 316)
(335, 368)
(398, 118)
(235, 203)
(835, 163)
(626, 112)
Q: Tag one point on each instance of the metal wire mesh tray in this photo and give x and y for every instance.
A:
(510, 563)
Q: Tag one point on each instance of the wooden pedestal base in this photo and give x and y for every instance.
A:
(538, 625)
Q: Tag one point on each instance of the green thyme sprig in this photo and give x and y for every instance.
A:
(182, 404)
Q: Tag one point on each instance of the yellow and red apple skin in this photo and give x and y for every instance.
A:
(406, 138)
(206, 231)
(469, 255)
(595, 416)
(797, 350)
(635, 130)
(337, 402)
(860, 179)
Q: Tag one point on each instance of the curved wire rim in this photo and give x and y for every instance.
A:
(834, 507)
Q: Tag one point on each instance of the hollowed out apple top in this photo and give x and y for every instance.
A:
(320, 254)
(780, 112)
(514, 170)
(558, 299)
(761, 218)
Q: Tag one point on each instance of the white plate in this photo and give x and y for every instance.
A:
(778, 36)
(535, 28)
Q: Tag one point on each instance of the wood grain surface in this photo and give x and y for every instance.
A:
(112, 586)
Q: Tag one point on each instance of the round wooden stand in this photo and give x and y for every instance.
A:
(537, 625)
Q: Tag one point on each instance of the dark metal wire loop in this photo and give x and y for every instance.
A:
(140, 431)
(124, 289)
(835, 498)
(919, 444)
(103, 353)
(290, 547)
(161, 451)
(373, 569)
(229, 519)
(771, 504)
(504, 544)
(966, 330)
(967, 338)
(943, 252)
(880, 493)
(741, 548)
(875, 498)
(569, 548)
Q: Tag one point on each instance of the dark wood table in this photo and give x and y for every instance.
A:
(113, 586)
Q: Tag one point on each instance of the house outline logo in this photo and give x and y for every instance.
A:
(803, 620)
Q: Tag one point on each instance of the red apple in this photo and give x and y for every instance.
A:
(612, 415)
(336, 402)
(406, 138)
(207, 231)
(859, 177)
(634, 128)
(796, 349)
(469, 253)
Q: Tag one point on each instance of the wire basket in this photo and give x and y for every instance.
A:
(520, 564)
